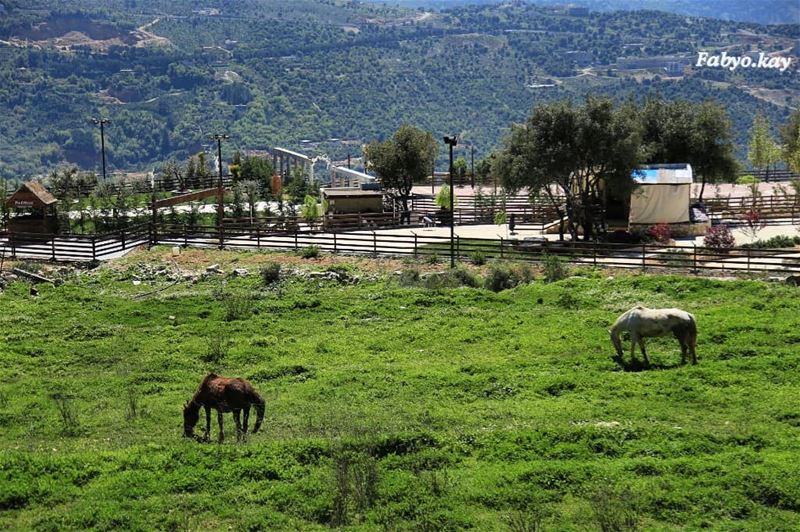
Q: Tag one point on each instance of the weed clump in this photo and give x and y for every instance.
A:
(310, 252)
(67, 412)
(478, 258)
(237, 306)
(554, 268)
(271, 273)
(499, 278)
(613, 510)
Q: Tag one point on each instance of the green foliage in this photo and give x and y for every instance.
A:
(554, 268)
(763, 152)
(310, 252)
(478, 258)
(778, 241)
(747, 180)
(271, 273)
(442, 199)
(403, 159)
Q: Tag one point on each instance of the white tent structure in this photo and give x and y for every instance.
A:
(662, 195)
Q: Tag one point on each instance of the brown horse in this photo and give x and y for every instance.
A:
(224, 394)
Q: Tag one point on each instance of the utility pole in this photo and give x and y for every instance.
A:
(472, 165)
(452, 142)
(219, 137)
(102, 122)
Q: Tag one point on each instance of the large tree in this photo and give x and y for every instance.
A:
(400, 161)
(576, 152)
(686, 132)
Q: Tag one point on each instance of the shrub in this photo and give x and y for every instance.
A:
(661, 233)
(719, 237)
(433, 259)
(237, 306)
(409, 276)
(465, 277)
(478, 258)
(524, 273)
(271, 273)
(554, 268)
(747, 180)
(310, 252)
(779, 241)
(499, 278)
(217, 350)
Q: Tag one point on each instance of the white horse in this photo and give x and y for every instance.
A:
(643, 322)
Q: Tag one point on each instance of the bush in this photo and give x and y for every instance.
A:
(554, 268)
(779, 241)
(271, 273)
(310, 252)
(478, 258)
(747, 180)
(500, 278)
(465, 277)
(68, 413)
(237, 306)
(719, 237)
(661, 233)
(409, 276)
(433, 259)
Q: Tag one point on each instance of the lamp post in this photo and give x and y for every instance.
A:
(219, 137)
(102, 122)
(452, 141)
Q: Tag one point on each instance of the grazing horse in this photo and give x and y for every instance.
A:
(225, 395)
(643, 322)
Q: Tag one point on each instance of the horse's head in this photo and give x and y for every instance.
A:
(616, 341)
(191, 414)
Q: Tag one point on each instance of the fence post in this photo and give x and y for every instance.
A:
(185, 236)
(501, 247)
(296, 246)
(13, 246)
(221, 236)
(644, 257)
(53, 248)
(458, 246)
(375, 243)
(594, 253)
(415, 244)
(258, 238)
(94, 248)
(695, 259)
(334, 241)
(748, 260)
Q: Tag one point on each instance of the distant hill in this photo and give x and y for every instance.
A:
(763, 12)
(302, 72)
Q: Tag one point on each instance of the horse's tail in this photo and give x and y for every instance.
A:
(258, 402)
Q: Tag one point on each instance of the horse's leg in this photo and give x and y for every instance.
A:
(644, 352)
(691, 340)
(207, 435)
(221, 432)
(246, 418)
(634, 340)
(238, 420)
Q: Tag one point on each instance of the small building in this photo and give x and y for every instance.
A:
(32, 209)
(662, 195)
(352, 200)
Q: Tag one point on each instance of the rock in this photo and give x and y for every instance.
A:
(176, 250)
(793, 280)
(171, 318)
(214, 268)
(136, 282)
(34, 291)
(241, 272)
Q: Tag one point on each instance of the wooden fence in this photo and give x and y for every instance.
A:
(73, 248)
(414, 244)
(421, 246)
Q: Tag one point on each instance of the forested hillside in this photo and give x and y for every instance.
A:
(278, 72)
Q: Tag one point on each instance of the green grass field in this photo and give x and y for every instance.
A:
(396, 407)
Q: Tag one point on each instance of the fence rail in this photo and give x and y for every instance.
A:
(421, 246)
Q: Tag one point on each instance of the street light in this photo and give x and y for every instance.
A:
(219, 137)
(102, 122)
(452, 141)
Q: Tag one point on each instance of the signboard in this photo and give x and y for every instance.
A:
(23, 204)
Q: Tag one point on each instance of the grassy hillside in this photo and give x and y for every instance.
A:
(395, 406)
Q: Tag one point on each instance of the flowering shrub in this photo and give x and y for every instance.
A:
(661, 233)
(719, 237)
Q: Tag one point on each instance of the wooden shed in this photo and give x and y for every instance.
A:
(352, 200)
(32, 209)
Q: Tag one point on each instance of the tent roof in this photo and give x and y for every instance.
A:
(664, 174)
